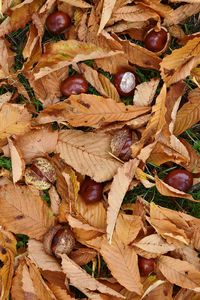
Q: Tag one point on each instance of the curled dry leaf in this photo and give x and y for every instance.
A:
(123, 264)
(82, 280)
(18, 165)
(20, 206)
(83, 256)
(145, 92)
(78, 3)
(108, 6)
(194, 163)
(6, 59)
(89, 110)
(91, 149)
(118, 189)
(179, 272)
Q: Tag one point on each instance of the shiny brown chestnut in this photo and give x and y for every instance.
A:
(181, 180)
(125, 82)
(91, 191)
(146, 265)
(74, 85)
(157, 40)
(58, 22)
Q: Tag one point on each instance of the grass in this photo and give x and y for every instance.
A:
(5, 163)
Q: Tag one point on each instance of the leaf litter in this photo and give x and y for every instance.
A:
(103, 153)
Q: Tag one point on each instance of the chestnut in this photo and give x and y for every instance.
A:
(74, 85)
(146, 265)
(157, 41)
(58, 22)
(125, 82)
(91, 191)
(121, 143)
(181, 180)
(59, 240)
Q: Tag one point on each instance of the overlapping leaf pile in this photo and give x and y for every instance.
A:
(75, 135)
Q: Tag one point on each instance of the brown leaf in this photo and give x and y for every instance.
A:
(6, 59)
(194, 163)
(128, 227)
(123, 264)
(101, 83)
(78, 3)
(18, 164)
(140, 56)
(179, 272)
(189, 114)
(37, 142)
(145, 92)
(180, 62)
(59, 292)
(169, 191)
(55, 200)
(83, 256)
(23, 210)
(108, 6)
(89, 110)
(162, 9)
(118, 189)
(15, 119)
(91, 149)
(82, 280)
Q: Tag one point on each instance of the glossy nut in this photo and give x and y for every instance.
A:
(41, 174)
(58, 22)
(157, 41)
(59, 240)
(74, 85)
(121, 143)
(146, 266)
(125, 82)
(181, 180)
(91, 191)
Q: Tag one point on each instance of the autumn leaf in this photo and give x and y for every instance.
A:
(117, 192)
(91, 149)
(108, 6)
(15, 119)
(78, 3)
(18, 165)
(194, 163)
(123, 264)
(20, 206)
(145, 92)
(89, 110)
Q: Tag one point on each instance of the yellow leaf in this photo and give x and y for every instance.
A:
(24, 211)
(87, 153)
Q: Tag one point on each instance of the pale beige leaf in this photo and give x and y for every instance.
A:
(140, 56)
(89, 110)
(162, 9)
(6, 59)
(15, 119)
(123, 264)
(5, 98)
(101, 83)
(155, 244)
(88, 153)
(32, 39)
(18, 165)
(108, 6)
(180, 62)
(180, 272)
(188, 254)
(37, 142)
(44, 261)
(189, 114)
(128, 227)
(145, 92)
(16, 289)
(181, 13)
(59, 293)
(152, 287)
(193, 165)
(20, 206)
(170, 191)
(118, 189)
(83, 256)
(55, 200)
(78, 3)
(82, 280)
(163, 291)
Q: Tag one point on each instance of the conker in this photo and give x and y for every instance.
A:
(41, 174)
(91, 191)
(125, 82)
(146, 265)
(59, 240)
(121, 143)
(181, 180)
(58, 22)
(74, 85)
(157, 41)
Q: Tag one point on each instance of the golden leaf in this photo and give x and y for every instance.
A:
(18, 164)
(91, 149)
(145, 92)
(194, 163)
(118, 189)
(83, 256)
(108, 6)
(78, 3)
(24, 211)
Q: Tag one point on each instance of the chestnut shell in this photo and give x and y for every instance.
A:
(74, 85)
(91, 191)
(181, 180)
(58, 22)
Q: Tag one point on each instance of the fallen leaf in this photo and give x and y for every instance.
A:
(83, 256)
(78, 3)
(91, 149)
(118, 189)
(20, 206)
(145, 92)
(194, 163)
(108, 6)
(18, 164)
